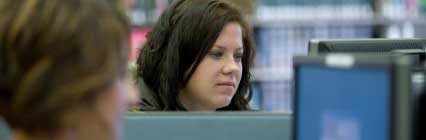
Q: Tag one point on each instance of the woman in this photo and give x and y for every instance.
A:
(63, 68)
(197, 58)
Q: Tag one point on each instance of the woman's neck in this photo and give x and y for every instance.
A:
(191, 105)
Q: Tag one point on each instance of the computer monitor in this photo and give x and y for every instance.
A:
(201, 126)
(372, 46)
(346, 97)
(207, 126)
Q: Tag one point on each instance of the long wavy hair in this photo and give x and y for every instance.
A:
(179, 41)
(55, 56)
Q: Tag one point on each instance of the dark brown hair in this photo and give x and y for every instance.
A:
(56, 55)
(181, 39)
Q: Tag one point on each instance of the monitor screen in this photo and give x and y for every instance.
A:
(342, 104)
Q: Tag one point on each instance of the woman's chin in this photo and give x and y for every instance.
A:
(223, 101)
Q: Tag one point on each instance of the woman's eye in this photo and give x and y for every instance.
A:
(216, 55)
(238, 57)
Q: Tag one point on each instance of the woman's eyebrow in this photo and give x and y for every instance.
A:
(223, 47)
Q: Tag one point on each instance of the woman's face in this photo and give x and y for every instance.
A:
(216, 79)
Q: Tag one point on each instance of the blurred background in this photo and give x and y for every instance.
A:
(283, 28)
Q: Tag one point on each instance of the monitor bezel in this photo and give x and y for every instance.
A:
(314, 44)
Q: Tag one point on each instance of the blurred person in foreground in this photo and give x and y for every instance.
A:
(63, 68)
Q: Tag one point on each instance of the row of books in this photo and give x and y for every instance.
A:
(311, 2)
(142, 12)
(400, 9)
(148, 11)
(340, 9)
(277, 45)
(314, 12)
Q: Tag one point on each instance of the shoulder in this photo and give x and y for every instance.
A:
(149, 100)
